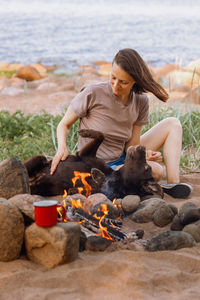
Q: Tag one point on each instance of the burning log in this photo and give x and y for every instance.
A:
(92, 214)
(93, 224)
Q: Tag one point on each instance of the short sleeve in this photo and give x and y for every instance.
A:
(143, 105)
(82, 102)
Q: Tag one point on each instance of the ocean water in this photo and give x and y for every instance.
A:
(69, 33)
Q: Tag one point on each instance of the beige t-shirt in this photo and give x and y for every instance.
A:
(99, 109)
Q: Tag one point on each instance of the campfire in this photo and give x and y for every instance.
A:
(94, 217)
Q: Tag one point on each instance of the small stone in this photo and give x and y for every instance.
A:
(190, 215)
(130, 203)
(170, 240)
(185, 207)
(194, 230)
(81, 198)
(140, 233)
(163, 215)
(176, 224)
(97, 243)
(118, 202)
(146, 209)
(173, 208)
(95, 202)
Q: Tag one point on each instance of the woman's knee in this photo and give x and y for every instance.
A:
(173, 123)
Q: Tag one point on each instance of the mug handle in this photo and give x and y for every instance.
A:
(61, 219)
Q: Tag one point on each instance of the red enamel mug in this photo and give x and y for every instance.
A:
(46, 213)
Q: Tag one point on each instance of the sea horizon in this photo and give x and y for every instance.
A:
(69, 34)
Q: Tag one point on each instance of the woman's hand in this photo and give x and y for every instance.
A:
(60, 155)
(154, 156)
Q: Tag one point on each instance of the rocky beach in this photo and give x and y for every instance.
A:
(121, 272)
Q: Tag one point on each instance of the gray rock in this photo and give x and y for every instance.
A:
(51, 246)
(187, 205)
(12, 231)
(24, 202)
(81, 198)
(146, 209)
(170, 240)
(13, 178)
(194, 230)
(97, 243)
(176, 224)
(190, 215)
(130, 203)
(163, 215)
(96, 200)
(173, 208)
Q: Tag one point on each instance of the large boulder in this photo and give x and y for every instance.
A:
(14, 178)
(51, 246)
(24, 202)
(11, 230)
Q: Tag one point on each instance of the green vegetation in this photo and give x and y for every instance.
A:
(24, 136)
(7, 74)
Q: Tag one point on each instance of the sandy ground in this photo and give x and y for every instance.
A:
(121, 274)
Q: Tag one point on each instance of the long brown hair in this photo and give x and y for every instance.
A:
(132, 63)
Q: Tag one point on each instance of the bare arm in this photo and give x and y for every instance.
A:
(135, 140)
(62, 133)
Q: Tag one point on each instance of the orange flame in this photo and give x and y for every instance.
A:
(59, 210)
(114, 200)
(65, 194)
(82, 176)
(78, 204)
(104, 232)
